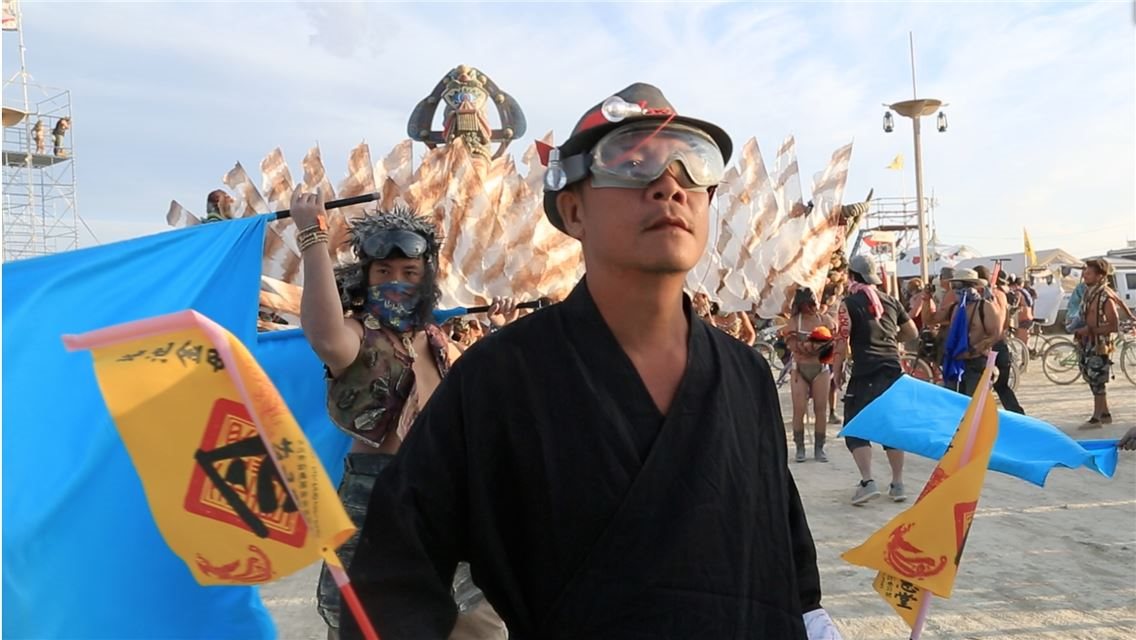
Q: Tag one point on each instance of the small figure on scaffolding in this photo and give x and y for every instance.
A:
(61, 128)
(39, 133)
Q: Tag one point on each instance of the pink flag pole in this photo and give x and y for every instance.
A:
(971, 436)
(352, 600)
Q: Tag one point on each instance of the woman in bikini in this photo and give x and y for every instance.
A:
(737, 325)
(804, 336)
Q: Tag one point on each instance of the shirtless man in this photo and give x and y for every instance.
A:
(996, 292)
(984, 320)
(1025, 302)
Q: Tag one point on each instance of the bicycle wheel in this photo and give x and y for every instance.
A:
(1059, 362)
(1013, 376)
(1036, 344)
(1128, 360)
(766, 351)
(783, 377)
(1019, 353)
(916, 367)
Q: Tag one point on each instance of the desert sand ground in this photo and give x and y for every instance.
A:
(1053, 563)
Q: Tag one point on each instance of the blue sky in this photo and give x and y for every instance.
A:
(167, 96)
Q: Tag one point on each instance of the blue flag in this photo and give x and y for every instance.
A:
(298, 375)
(957, 344)
(83, 557)
(921, 418)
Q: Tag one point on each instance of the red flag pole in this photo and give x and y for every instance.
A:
(352, 600)
(925, 603)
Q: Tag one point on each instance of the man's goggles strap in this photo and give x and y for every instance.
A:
(380, 245)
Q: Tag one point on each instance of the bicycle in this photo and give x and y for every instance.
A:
(1126, 350)
(1036, 340)
(786, 370)
(920, 363)
(920, 366)
(1061, 361)
(770, 346)
(1019, 352)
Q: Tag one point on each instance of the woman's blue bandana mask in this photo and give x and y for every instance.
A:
(394, 305)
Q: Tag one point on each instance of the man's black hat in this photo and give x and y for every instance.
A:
(595, 125)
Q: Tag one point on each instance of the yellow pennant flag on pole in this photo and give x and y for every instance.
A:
(897, 163)
(1031, 257)
(918, 552)
(232, 482)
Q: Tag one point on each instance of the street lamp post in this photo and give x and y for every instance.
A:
(915, 109)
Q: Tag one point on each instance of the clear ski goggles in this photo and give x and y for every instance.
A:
(635, 155)
(380, 245)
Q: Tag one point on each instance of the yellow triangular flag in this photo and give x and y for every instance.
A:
(233, 484)
(1031, 257)
(897, 163)
(920, 549)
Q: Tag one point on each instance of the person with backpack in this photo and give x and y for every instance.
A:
(974, 325)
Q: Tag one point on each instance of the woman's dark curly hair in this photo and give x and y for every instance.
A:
(352, 278)
(803, 296)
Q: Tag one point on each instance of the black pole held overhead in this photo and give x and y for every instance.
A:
(534, 304)
(334, 204)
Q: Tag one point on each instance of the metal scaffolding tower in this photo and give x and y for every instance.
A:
(39, 207)
(901, 217)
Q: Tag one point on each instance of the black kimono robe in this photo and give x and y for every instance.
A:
(582, 510)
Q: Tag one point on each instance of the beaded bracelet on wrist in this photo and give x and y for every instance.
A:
(310, 237)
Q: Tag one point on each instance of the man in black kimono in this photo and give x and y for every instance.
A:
(610, 467)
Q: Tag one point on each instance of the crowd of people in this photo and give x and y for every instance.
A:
(957, 319)
(572, 461)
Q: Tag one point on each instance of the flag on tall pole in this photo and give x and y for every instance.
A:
(1031, 257)
(918, 552)
(897, 163)
(232, 482)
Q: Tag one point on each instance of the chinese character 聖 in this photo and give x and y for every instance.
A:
(214, 359)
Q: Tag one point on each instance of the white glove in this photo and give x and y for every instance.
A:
(819, 626)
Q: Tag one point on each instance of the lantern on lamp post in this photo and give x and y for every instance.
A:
(916, 109)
